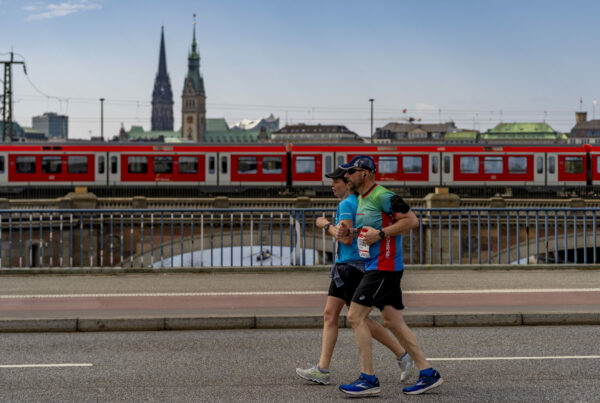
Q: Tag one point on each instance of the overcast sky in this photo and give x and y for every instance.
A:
(474, 62)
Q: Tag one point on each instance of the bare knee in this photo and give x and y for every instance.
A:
(330, 316)
(395, 322)
(355, 319)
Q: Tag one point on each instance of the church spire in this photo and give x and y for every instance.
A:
(162, 58)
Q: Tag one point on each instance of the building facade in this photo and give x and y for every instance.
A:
(162, 96)
(508, 133)
(585, 131)
(193, 99)
(302, 133)
(54, 126)
(413, 132)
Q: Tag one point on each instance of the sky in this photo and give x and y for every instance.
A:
(476, 63)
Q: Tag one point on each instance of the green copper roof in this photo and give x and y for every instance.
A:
(521, 131)
(461, 136)
(216, 125)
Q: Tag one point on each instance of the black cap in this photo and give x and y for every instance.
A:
(338, 173)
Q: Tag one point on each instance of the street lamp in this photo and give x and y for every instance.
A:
(102, 119)
(371, 101)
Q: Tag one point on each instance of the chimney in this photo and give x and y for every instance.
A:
(580, 117)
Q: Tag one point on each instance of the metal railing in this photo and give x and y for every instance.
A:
(286, 237)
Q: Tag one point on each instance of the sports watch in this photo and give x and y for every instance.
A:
(381, 234)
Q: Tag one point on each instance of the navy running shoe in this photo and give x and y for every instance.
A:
(428, 379)
(362, 386)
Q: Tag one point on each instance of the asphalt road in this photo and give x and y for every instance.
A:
(258, 365)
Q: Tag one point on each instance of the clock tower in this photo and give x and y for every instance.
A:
(193, 99)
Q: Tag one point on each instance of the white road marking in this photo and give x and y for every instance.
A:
(558, 357)
(44, 365)
(250, 293)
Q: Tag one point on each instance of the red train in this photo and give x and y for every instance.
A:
(198, 169)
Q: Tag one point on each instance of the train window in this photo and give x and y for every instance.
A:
(113, 164)
(412, 165)
(189, 165)
(328, 163)
(551, 165)
(387, 165)
(340, 159)
(247, 165)
(163, 165)
(469, 165)
(446, 164)
(305, 165)
(434, 164)
(211, 165)
(517, 165)
(137, 165)
(223, 165)
(101, 163)
(540, 165)
(492, 165)
(1, 164)
(598, 164)
(25, 165)
(272, 165)
(77, 164)
(51, 165)
(573, 165)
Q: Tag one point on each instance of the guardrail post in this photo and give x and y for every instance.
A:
(438, 246)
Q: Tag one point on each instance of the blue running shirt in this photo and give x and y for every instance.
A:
(346, 210)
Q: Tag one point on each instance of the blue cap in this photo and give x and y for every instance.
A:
(361, 161)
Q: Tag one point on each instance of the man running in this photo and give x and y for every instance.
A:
(382, 217)
(346, 274)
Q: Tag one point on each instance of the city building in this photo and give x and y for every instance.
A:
(54, 126)
(414, 132)
(23, 134)
(522, 133)
(302, 133)
(269, 123)
(585, 131)
(193, 99)
(162, 96)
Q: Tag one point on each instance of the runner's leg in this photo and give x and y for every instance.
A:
(331, 315)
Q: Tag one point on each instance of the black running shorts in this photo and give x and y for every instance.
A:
(380, 288)
(351, 277)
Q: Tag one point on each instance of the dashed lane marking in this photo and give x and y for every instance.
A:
(264, 293)
(44, 365)
(558, 357)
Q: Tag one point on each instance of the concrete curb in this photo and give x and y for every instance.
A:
(278, 269)
(289, 322)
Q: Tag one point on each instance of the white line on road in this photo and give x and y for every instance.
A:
(250, 293)
(559, 357)
(44, 365)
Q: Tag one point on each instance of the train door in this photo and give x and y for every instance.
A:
(101, 169)
(113, 167)
(3, 169)
(211, 168)
(446, 169)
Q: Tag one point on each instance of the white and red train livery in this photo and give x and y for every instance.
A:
(231, 167)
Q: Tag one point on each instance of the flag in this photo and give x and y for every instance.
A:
(404, 110)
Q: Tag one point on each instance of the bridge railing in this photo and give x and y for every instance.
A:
(164, 238)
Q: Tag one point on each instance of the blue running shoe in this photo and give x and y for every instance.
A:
(362, 386)
(428, 379)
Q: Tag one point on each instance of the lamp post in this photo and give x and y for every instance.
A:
(102, 119)
(371, 101)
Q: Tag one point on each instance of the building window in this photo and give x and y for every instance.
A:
(51, 165)
(137, 165)
(517, 165)
(469, 165)
(77, 164)
(388, 165)
(247, 165)
(412, 165)
(492, 165)
(305, 165)
(573, 165)
(272, 165)
(163, 165)
(434, 164)
(189, 165)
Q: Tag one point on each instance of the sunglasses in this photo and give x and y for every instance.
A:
(351, 171)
